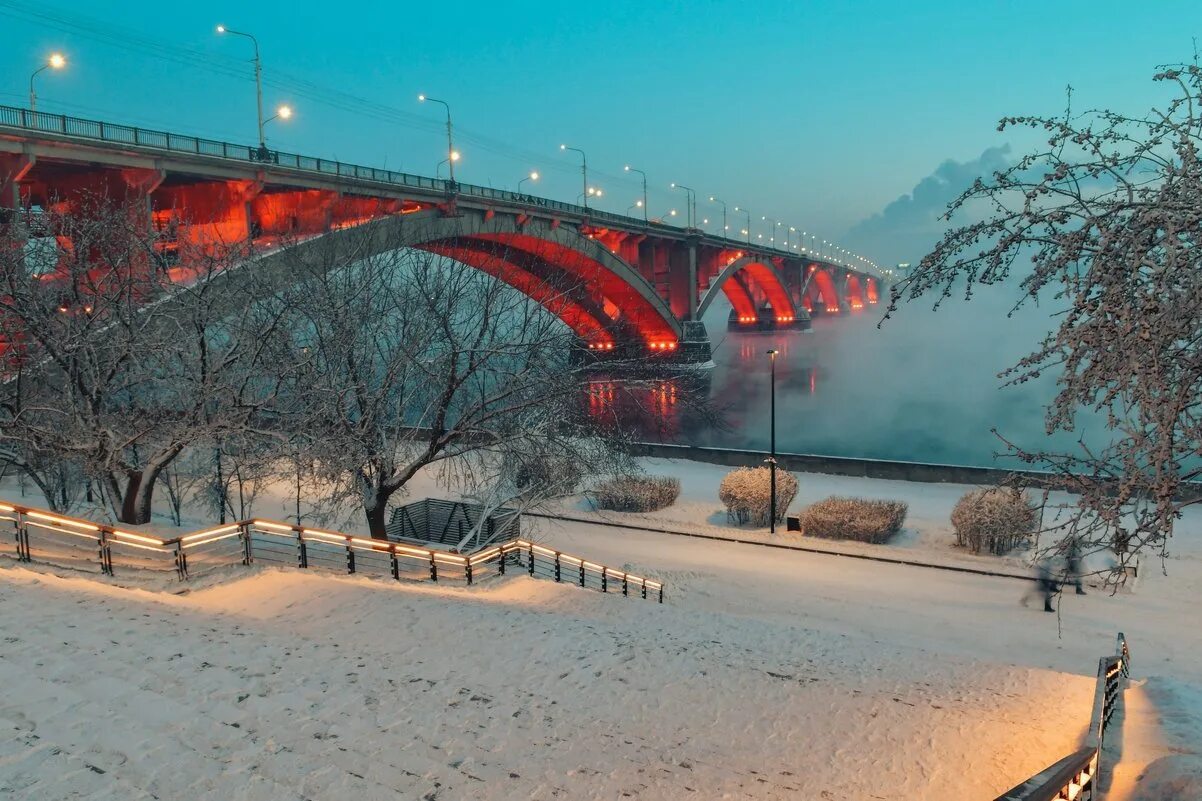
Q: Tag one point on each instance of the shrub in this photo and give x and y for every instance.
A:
(853, 519)
(996, 519)
(746, 492)
(635, 493)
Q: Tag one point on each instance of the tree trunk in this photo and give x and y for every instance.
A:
(375, 518)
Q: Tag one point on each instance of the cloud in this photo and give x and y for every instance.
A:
(908, 227)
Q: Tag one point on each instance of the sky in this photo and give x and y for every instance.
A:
(854, 121)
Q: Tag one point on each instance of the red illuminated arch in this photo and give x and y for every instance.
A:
(763, 275)
(821, 283)
(855, 295)
(872, 293)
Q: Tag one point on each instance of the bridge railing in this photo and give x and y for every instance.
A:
(81, 128)
(1075, 777)
(40, 535)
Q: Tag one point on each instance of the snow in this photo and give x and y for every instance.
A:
(766, 674)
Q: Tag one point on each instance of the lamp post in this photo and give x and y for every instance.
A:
(690, 204)
(772, 446)
(583, 170)
(789, 238)
(717, 200)
(452, 156)
(533, 176)
(668, 213)
(281, 113)
(748, 229)
(56, 62)
(628, 168)
(638, 204)
(775, 225)
(258, 78)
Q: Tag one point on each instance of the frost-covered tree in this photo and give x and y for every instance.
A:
(1103, 224)
(114, 363)
(410, 360)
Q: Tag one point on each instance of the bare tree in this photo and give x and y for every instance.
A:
(117, 364)
(411, 360)
(1103, 224)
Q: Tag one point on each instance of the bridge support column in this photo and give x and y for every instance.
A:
(692, 281)
(13, 168)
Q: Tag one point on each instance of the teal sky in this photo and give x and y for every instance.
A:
(817, 114)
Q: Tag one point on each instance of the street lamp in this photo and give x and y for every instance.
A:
(56, 62)
(449, 161)
(775, 225)
(668, 213)
(452, 156)
(628, 168)
(583, 170)
(258, 78)
(723, 202)
(690, 204)
(533, 176)
(772, 446)
(746, 230)
(638, 204)
(281, 113)
(789, 238)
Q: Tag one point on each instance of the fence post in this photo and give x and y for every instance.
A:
(350, 557)
(582, 573)
(604, 578)
(433, 568)
(248, 555)
(106, 554)
(396, 568)
(530, 560)
(557, 567)
(625, 584)
(467, 571)
(661, 593)
(302, 551)
(501, 562)
(181, 561)
(22, 533)
(644, 589)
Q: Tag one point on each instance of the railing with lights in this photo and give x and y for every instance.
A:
(45, 536)
(1075, 777)
(80, 128)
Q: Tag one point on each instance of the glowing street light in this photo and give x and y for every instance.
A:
(533, 176)
(452, 155)
(725, 227)
(775, 225)
(746, 230)
(638, 204)
(449, 161)
(56, 62)
(281, 113)
(258, 78)
(583, 170)
(772, 445)
(628, 168)
(690, 204)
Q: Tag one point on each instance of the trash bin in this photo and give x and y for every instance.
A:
(793, 523)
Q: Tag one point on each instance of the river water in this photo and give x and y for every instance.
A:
(921, 387)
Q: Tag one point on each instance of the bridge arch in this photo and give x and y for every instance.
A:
(762, 274)
(855, 292)
(820, 283)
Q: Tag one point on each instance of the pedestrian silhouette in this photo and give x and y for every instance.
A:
(1045, 585)
(1074, 568)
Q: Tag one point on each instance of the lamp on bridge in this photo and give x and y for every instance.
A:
(725, 227)
(772, 446)
(643, 204)
(533, 176)
(638, 204)
(690, 204)
(56, 62)
(746, 230)
(258, 78)
(583, 170)
(452, 154)
(281, 113)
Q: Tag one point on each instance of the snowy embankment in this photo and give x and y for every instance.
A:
(289, 685)
(766, 674)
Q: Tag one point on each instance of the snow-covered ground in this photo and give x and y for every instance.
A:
(767, 674)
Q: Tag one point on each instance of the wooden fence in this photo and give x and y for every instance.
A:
(44, 536)
(1075, 777)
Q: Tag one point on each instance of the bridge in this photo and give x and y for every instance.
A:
(639, 287)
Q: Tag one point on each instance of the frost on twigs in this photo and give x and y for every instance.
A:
(1104, 224)
(853, 519)
(746, 492)
(635, 493)
(996, 519)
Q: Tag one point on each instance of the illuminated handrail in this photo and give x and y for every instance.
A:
(96, 130)
(178, 548)
(1077, 774)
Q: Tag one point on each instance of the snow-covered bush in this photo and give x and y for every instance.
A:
(995, 519)
(853, 519)
(635, 493)
(746, 492)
